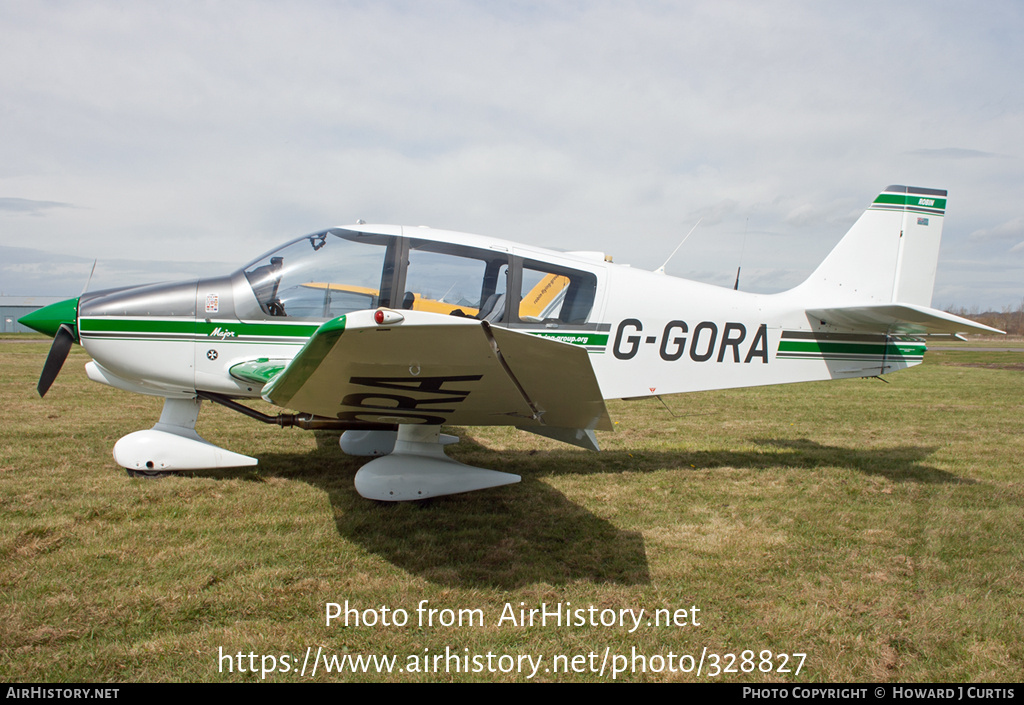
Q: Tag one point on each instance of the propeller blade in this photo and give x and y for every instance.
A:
(89, 280)
(55, 360)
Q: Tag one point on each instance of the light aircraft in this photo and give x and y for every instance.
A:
(388, 332)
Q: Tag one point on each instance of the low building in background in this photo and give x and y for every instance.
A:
(14, 307)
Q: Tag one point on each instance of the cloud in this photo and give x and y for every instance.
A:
(29, 207)
(1010, 230)
(27, 271)
(214, 131)
(953, 153)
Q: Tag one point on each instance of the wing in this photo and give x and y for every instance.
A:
(430, 368)
(898, 319)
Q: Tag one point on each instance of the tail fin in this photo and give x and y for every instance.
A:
(879, 278)
(888, 256)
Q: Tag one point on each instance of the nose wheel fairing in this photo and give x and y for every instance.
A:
(173, 444)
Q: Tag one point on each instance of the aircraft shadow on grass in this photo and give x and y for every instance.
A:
(508, 537)
(530, 532)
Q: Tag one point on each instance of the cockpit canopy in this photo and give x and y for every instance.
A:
(323, 275)
(337, 271)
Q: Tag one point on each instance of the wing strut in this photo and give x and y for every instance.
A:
(537, 413)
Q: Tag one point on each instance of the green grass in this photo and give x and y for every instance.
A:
(24, 336)
(986, 340)
(875, 527)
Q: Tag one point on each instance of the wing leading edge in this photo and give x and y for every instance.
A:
(435, 369)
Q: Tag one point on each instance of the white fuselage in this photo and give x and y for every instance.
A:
(646, 333)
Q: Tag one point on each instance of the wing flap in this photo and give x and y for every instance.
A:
(437, 369)
(898, 319)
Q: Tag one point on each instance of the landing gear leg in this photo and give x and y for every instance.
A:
(173, 444)
(374, 444)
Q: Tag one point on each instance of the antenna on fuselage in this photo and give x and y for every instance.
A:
(736, 286)
(661, 269)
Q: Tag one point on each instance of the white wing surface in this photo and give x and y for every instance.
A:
(429, 368)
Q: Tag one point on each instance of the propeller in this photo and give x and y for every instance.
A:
(62, 341)
(57, 320)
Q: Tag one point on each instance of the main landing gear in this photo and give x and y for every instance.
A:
(416, 467)
(409, 463)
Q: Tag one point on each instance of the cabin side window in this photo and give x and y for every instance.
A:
(455, 281)
(553, 295)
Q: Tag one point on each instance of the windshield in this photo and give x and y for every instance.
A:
(323, 275)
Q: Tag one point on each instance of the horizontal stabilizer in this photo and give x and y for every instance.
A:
(897, 319)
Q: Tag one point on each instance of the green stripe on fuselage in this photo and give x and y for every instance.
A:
(216, 330)
(201, 329)
(825, 348)
(584, 339)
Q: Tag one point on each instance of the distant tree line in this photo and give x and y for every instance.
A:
(1009, 319)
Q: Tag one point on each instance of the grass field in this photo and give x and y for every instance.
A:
(874, 527)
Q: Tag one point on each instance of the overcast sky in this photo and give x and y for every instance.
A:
(173, 138)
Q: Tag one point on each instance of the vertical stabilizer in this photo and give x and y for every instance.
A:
(889, 255)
